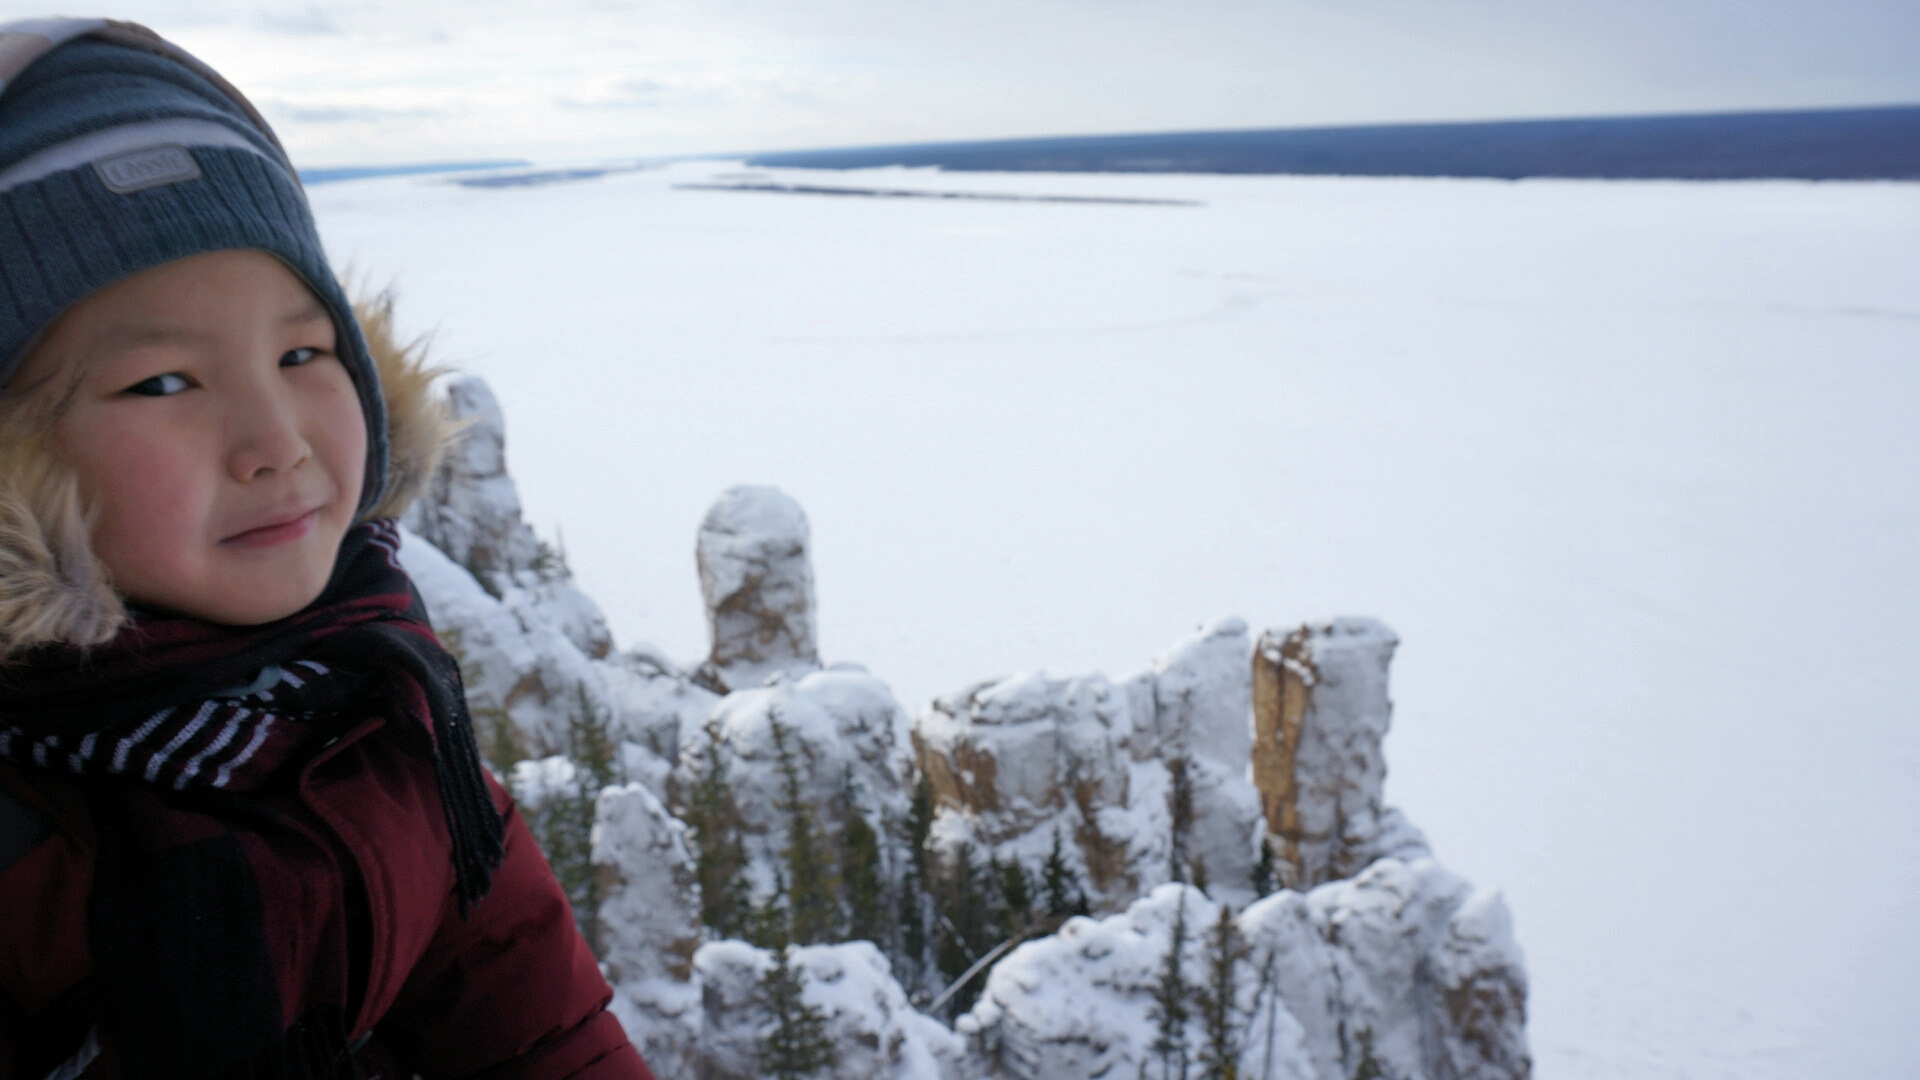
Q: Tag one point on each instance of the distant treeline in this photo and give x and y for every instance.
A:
(1831, 144)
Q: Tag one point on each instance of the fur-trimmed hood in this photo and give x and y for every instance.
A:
(52, 586)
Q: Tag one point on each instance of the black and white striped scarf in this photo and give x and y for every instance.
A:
(179, 703)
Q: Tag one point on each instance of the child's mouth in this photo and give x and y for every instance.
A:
(276, 533)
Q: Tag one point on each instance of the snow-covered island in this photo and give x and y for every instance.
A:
(1188, 872)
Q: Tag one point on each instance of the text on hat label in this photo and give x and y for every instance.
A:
(139, 170)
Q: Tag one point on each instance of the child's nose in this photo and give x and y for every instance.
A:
(267, 439)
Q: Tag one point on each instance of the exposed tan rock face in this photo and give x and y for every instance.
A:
(1015, 759)
(756, 576)
(1011, 761)
(1320, 712)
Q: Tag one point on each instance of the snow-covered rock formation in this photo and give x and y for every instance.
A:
(756, 577)
(1404, 971)
(1145, 779)
(876, 1035)
(1374, 961)
(846, 741)
(535, 652)
(1320, 711)
(471, 508)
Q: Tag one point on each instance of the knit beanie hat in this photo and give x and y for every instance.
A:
(120, 152)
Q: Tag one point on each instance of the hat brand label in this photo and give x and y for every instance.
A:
(138, 170)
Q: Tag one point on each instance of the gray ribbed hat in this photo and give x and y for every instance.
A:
(120, 152)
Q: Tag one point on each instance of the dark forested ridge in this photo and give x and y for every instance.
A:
(1831, 144)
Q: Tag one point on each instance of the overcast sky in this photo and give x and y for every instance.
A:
(374, 82)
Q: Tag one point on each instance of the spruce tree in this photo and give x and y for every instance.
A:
(590, 745)
(920, 825)
(795, 1046)
(964, 928)
(1016, 900)
(1220, 1019)
(811, 910)
(860, 886)
(769, 925)
(1200, 876)
(564, 825)
(720, 853)
(994, 915)
(1368, 1067)
(1262, 878)
(1170, 1009)
(957, 898)
(1057, 880)
(1179, 816)
(916, 887)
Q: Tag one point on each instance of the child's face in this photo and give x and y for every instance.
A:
(217, 436)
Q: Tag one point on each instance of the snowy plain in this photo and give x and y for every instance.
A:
(1632, 468)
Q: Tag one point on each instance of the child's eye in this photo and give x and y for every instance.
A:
(160, 385)
(296, 357)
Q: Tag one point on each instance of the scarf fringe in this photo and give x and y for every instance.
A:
(474, 825)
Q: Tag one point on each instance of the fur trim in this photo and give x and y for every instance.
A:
(420, 427)
(52, 586)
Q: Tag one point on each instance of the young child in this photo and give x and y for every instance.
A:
(244, 830)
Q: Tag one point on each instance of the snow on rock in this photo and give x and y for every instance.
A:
(1077, 1004)
(1481, 978)
(1201, 715)
(649, 923)
(848, 741)
(1321, 710)
(1387, 965)
(756, 576)
(875, 1032)
(1014, 760)
(1404, 966)
(534, 650)
(528, 683)
(471, 509)
(1201, 696)
(537, 782)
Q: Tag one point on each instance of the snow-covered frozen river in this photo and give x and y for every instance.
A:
(1633, 468)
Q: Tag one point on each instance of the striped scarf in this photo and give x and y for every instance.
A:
(227, 741)
(182, 704)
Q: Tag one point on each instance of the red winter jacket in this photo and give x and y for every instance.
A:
(510, 993)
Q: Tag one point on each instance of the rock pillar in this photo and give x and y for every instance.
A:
(756, 576)
(1320, 711)
(471, 509)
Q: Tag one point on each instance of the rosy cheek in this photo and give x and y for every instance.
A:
(152, 504)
